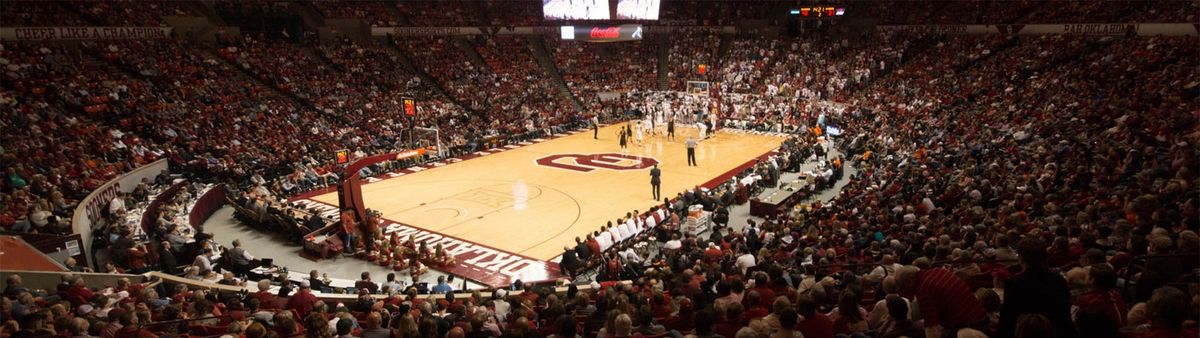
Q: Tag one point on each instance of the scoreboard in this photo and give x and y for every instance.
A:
(602, 33)
(818, 12)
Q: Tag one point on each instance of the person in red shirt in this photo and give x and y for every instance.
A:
(137, 259)
(350, 227)
(947, 302)
(729, 324)
(303, 300)
(1103, 298)
(130, 329)
(712, 254)
(682, 320)
(763, 287)
(1168, 308)
(266, 299)
(594, 246)
(79, 293)
(813, 324)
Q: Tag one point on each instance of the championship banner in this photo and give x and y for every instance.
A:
(83, 33)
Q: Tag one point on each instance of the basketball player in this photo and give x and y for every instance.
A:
(655, 181)
(595, 127)
(621, 135)
(638, 134)
(712, 123)
(671, 129)
(650, 123)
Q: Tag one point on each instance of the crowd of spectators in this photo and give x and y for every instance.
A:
(1120, 11)
(39, 13)
(502, 13)
(375, 13)
(1023, 186)
(514, 93)
(689, 50)
(58, 146)
(589, 68)
(521, 89)
(1033, 12)
(436, 13)
(131, 13)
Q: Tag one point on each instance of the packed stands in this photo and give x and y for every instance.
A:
(131, 13)
(590, 68)
(502, 13)
(1039, 183)
(378, 14)
(522, 90)
(40, 13)
(435, 13)
(689, 50)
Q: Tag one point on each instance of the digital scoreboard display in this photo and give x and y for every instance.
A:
(602, 33)
(601, 9)
(818, 12)
(638, 9)
(575, 10)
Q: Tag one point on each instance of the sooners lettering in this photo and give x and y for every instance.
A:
(605, 33)
(588, 162)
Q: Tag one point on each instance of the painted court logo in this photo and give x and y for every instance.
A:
(589, 162)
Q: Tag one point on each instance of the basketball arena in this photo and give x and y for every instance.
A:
(599, 168)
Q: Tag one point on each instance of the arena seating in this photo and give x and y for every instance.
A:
(590, 68)
(374, 13)
(688, 51)
(131, 13)
(38, 13)
(976, 155)
(433, 13)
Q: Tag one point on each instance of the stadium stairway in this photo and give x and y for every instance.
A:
(462, 43)
(309, 14)
(407, 62)
(722, 50)
(206, 10)
(250, 76)
(543, 58)
(663, 52)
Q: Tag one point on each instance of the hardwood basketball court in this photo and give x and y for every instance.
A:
(510, 202)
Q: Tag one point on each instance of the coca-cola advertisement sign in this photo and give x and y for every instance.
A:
(602, 33)
(605, 33)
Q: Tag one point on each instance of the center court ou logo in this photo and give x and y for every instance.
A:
(589, 162)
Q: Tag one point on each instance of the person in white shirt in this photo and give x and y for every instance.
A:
(615, 233)
(673, 244)
(501, 306)
(116, 207)
(631, 257)
(745, 261)
(887, 267)
(604, 240)
(628, 229)
(203, 262)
